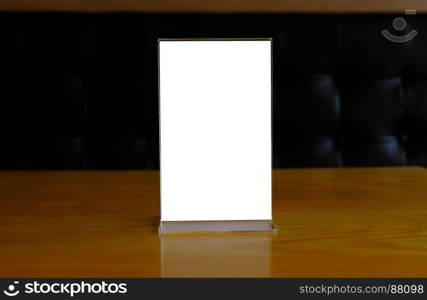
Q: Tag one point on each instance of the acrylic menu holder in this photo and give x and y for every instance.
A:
(215, 134)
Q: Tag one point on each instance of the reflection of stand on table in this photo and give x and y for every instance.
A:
(215, 135)
(227, 255)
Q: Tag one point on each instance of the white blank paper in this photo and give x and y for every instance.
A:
(215, 130)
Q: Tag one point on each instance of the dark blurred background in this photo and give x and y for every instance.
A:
(79, 90)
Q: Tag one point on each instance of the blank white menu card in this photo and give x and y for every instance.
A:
(215, 129)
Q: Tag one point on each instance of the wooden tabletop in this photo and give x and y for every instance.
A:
(215, 6)
(364, 222)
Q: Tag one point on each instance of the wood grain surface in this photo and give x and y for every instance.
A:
(362, 222)
(328, 6)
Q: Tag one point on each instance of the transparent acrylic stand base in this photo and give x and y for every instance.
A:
(217, 226)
